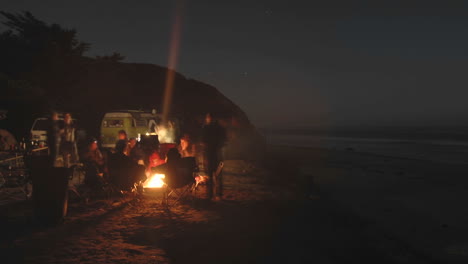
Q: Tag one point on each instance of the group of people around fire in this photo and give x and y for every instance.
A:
(131, 162)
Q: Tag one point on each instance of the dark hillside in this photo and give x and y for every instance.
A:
(114, 85)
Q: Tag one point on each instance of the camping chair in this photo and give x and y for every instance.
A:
(217, 181)
(179, 181)
(76, 179)
(203, 180)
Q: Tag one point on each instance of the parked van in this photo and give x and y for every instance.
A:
(39, 130)
(135, 123)
(41, 125)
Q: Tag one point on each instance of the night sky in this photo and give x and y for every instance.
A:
(291, 63)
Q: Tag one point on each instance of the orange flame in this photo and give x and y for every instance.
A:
(156, 181)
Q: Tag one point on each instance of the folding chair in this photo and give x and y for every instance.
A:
(217, 181)
(179, 181)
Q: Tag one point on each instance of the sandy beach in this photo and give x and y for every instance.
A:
(301, 205)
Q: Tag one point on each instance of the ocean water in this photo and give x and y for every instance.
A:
(437, 147)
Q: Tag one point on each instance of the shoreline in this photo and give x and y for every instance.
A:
(457, 159)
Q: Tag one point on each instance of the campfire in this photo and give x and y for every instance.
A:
(155, 181)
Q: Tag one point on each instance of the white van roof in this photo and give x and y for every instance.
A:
(117, 114)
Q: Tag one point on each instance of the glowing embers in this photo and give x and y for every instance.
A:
(156, 181)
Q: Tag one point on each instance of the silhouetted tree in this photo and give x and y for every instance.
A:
(44, 54)
(39, 36)
(115, 57)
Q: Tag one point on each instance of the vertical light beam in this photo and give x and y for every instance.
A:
(172, 60)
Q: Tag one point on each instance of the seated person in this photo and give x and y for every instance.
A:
(135, 152)
(149, 144)
(154, 160)
(186, 147)
(177, 173)
(124, 173)
(94, 165)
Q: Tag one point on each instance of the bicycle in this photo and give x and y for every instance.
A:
(14, 179)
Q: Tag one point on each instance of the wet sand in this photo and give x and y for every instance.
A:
(416, 203)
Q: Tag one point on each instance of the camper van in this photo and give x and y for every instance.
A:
(135, 123)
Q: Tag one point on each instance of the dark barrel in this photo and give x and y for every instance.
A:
(50, 191)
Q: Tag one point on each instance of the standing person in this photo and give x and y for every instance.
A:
(122, 137)
(213, 138)
(54, 138)
(68, 147)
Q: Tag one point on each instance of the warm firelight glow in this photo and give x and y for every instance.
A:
(156, 181)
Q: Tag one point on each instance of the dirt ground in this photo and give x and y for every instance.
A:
(274, 213)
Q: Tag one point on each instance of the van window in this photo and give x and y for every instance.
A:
(113, 123)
